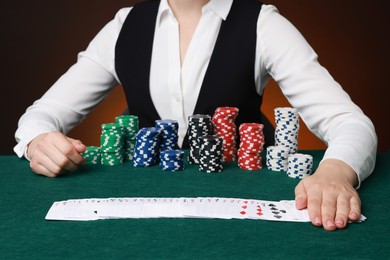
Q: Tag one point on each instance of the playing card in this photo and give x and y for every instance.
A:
(56, 211)
(188, 207)
(201, 207)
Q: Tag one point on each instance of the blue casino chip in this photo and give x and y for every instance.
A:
(172, 160)
(168, 133)
(147, 146)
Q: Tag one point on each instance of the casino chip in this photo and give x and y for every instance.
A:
(168, 133)
(172, 160)
(198, 126)
(112, 144)
(299, 165)
(224, 126)
(251, 146)
(147, 146)
(287, 128)
(210, 153)
(92, 155)
(130, 126)
(277, 158)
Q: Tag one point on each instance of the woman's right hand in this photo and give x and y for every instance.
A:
(52, 154)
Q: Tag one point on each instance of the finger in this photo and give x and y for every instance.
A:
(355, 212)
(40, 169)
(300, 196)
(342, 211)
(47, 161)
(314, 200)
(67, 149)
(63, 162)
(328, 210)
(79, 146)
(53, 159)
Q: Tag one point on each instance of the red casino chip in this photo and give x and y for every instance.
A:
(224, 126)
(251, 146)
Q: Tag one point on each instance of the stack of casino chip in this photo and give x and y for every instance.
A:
(146, 152)
(112, 144)
(299, 165)
(251, 146)
(172, 160)
(168, 133)
(224, 126)
(211, 153)
(92, 155)
(130, 126)
(198, 126)
(287, 128)
(277, 158)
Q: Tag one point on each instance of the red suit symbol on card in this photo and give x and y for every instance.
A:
(259, 211)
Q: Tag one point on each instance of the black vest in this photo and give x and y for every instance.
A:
(229, 79)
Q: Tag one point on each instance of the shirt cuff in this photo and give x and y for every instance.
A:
(362, 163)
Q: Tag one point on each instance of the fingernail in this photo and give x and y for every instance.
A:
(354, 215)
(317, 221)
(339, 222)
(329, 223)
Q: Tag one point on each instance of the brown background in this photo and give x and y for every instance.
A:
(40, 41)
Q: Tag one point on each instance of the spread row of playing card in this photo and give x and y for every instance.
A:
(201, 207)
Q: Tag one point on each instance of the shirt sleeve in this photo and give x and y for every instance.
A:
(77, 92)
(323, 105)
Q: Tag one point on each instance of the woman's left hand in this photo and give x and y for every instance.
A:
(329, 195)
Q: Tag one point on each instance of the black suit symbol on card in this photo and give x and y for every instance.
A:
(278, 213)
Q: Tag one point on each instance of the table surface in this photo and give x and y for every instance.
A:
(26, 198)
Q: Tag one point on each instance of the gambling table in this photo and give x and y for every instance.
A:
(26, 198)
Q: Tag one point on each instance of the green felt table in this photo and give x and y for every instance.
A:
(26, 198)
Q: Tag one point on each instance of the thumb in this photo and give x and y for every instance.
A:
(78, 145)
(300, 196)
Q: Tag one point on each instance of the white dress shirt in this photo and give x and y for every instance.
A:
(281, 53)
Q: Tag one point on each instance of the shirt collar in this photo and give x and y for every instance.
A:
(219, 7)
